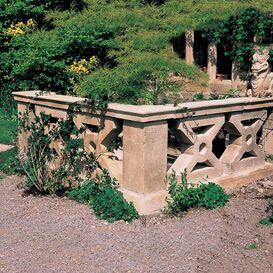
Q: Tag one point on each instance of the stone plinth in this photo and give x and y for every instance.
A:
(222, 140)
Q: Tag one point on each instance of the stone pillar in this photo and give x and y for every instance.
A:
(24, 135)
(212, 61)
(266, 140)
(235, 79)
(189, 38)
(145, 164)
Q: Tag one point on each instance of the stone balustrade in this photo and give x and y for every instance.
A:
(224, 141)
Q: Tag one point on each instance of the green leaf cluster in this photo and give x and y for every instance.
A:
(132, 40)
(183, 196)
(104, 198)
(49, 172)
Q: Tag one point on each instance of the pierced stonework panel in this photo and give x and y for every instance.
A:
(194, 149)
(99, 137)
(242, 150)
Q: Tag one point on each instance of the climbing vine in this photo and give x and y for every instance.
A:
(239, 34)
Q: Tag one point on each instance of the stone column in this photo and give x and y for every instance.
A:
(145, 164)
(212, 61)
(266, 140)
(189, 38)
(24, 135)
(235, 75)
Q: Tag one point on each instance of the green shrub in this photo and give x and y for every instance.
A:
(104, 198)
(41, 153)
(183, 196)
(198, 96)
(132, 40)
(10, 162)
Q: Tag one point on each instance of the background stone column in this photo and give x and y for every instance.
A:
(212, 61)
(145, 164)
(189, 38)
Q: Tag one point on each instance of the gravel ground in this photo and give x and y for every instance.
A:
(44, 234)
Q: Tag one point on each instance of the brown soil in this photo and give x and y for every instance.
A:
(45, 234)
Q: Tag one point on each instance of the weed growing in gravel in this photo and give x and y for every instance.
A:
(268, 220)
(102, 194)
(251, 246)
(184, 195)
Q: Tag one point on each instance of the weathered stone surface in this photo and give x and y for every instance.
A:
(212, 61)
(189, 38)
(98, 139)
(242, 151)
(140, 163)
(145, 156)
(195, 136)
(262, 77)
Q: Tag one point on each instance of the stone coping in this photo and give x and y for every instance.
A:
(145, 113)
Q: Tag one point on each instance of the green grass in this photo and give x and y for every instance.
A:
(7, 127)
(6, 156)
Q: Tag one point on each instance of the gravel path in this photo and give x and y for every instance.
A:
(44, 234)
(4, 147)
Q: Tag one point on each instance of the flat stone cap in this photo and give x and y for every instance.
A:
(146, 113)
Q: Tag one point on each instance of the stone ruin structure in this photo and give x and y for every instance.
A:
(224, 141)
(223, 73)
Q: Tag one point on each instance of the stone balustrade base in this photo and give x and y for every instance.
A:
(146, 204)
(240, 179)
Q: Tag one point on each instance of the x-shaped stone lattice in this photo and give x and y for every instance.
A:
(243, 151)
(98, 138)
(195, 136)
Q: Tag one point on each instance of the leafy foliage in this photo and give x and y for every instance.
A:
(42, 152)
(183, 196)
(236, 34)
(10, 162)
(251, 246)
(103, 196)
(232, 93)
(7, 128)
(49, 172)
(267, 221)
(130, 39)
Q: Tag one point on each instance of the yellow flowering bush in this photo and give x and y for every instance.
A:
(21, 28)
(83, 66)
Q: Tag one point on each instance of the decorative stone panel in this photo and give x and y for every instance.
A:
(243, 151)
(99, 135)
(211, 139)
(194, 137)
